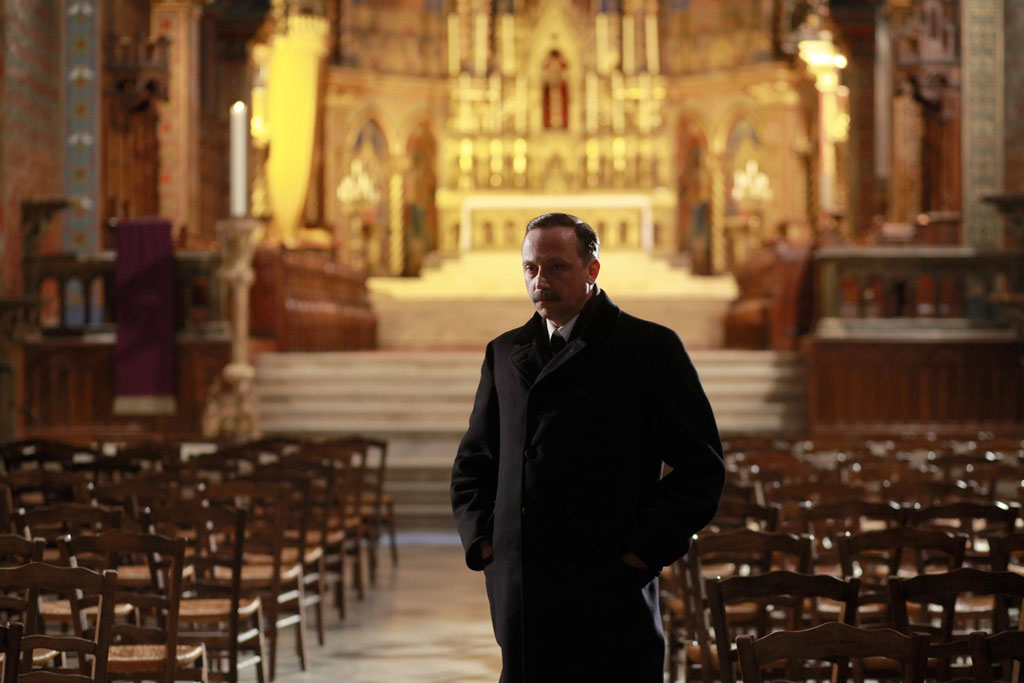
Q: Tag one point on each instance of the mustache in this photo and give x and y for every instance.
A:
(546, 295)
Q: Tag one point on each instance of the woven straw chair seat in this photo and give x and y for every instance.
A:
(40, 656)
(60, 610)
(315, 537)
(288, 556)
(138, 576)
(259, 575)
(145, 658)
(215, 609)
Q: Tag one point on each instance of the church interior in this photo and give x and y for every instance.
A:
(251, 253)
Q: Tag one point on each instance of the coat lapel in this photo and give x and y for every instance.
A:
(530, 352)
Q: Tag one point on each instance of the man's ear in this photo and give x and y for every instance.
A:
(592, 270)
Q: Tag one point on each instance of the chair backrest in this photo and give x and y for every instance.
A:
(975, 519)
(943, 589)
(16, 550)
(133, 495)
(78, 585)
(989, 650)
(215, 537)
(52, 522)
(265, 503)
(740, 514)
(760, 551)
(10, 644)
(773, 591)
(877, 555)
(34, 487)
(1006, 551)
(157, 600)
(826, 521)
(834, 642)
(732, 552)
(890, 547)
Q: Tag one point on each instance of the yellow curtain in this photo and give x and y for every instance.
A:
(293, 89)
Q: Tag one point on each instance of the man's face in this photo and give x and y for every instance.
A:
(557, 280)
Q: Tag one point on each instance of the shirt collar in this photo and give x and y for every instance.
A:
(565, 330)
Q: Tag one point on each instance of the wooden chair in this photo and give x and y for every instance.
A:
(278, 582)
(727, 554)
(134, 495)
(826, 521)
(378, 508)
(788, 591)
(53, 522)
(835, 642)
(975, 520)
(346, 526)
(875, 556)
(36, 487)
(216, 613)
(300, 542)
(10, 644)
(739, 514)
(51, 653)
(945, 591)
(927, 492)
(999, 649)
(148, 649)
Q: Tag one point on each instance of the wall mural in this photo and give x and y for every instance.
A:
(371, 151)
(420, 205)
(694, 196)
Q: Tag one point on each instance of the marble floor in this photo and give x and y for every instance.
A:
(426, 622)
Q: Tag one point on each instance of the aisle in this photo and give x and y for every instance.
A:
(426, 623)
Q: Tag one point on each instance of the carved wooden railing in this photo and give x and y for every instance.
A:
(306, 302)
(915, 339)
(70, 365)
(76, 292)
(881, 290)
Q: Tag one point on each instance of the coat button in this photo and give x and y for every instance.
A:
(530, 453)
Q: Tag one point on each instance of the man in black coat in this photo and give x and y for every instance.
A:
(557, 486)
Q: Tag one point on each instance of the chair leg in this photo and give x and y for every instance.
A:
(372, 544)
(261, 647)
(301, 644)
(271, 623)
(321, 572)
(357, 570)
(339, 586)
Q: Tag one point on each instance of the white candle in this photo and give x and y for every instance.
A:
(239, 167)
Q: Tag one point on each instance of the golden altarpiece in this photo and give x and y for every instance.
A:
(675, 127)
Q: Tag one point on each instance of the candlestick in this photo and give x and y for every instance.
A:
(239, 167)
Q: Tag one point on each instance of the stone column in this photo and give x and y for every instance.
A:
(982, 49)
(231, 411)
(178, 127)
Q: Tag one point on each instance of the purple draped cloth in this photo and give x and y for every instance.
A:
(144, 372)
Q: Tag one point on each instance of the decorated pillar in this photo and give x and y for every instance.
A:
(857, 34)
(82, 120)
(178, 128)
(983, 126)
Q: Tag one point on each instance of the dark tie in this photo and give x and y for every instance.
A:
(557, 343)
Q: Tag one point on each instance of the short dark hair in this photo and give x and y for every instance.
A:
(590, 243)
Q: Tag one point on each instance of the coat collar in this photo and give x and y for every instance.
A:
(530, 355)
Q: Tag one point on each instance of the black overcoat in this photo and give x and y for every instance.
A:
(561, 469)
